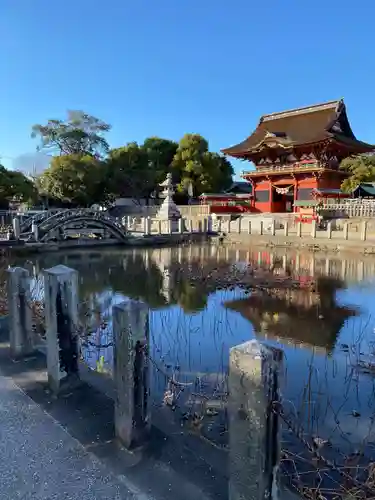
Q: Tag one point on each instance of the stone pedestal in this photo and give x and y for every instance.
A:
(254, 378)
(61, 313)
(20, 318)
(131, 336)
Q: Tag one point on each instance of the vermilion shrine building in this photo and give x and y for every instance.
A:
(297, 154)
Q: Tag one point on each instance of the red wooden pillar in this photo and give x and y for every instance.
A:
(270, 204)
(295, 193)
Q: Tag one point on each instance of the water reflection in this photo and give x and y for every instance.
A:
(198, 313)
(308, 317)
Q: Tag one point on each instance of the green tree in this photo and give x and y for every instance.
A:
(73, 179)
(79, 134)
(360, 169)
(129, 172)
(160, 153)
(195, 164)
(15, 186)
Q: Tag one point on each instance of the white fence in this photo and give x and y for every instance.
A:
(363, 208)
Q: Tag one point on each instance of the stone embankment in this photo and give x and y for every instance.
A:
(270, 233)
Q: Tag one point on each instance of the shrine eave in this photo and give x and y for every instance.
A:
(354, 146)
(262, 172)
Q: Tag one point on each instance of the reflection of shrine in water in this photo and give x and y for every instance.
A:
(303, 316)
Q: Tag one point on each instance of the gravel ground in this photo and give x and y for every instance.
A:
(40, 460)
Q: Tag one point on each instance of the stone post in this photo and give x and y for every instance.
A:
(364, 230)
(329, 230)
(239, 225)
(255, 374)
(345, 230)
(286, 228)
(205, 225)
(131, 337)
(20, 318)
(273, 230)
(159, 226)
(299, 229)
(249, 227)
(209, 224)
(61, 313)
(181, 226)
(191, 229)
(313, 228)
(260, 227)
(199, 226)
(229, 226)
(35, 231)
(170, 226)
(147, 225)
(16, 228)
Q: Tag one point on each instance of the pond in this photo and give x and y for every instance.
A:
(199, 312)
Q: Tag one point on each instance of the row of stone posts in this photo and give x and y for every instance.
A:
(246, 225)
(62, 343)
(168, 226)
(255, 371)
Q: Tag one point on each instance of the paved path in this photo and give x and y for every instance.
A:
(40, 460)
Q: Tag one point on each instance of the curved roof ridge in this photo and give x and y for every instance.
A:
(305, 109)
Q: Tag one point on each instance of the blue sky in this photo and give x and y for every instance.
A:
(170, 67)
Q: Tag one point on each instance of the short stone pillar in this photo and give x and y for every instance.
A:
(199, 226)
(273, 228)
(286, 228)
(205, 225)
(260, 227)
(345, 230)
(20, 318)
(131, 337)
(191, 228)
(181, 225)
(35, 231)
(159, 230)
(329, 230)
(249, 227)
(16, 228)
(255, 375)
(209, 224)
(364, 230)
(239, 225)
(147, 226)
(299, 229)
(61, 315)
(170, 226)
(313, 228)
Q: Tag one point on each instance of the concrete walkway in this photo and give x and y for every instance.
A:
(40, 460)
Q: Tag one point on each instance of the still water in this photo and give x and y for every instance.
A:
(325, 329)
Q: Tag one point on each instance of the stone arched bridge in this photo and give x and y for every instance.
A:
(52, 225)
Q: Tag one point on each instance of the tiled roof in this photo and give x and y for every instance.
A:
(296, 127)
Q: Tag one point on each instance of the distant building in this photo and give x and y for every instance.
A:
(236, 199)
(364, 190)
